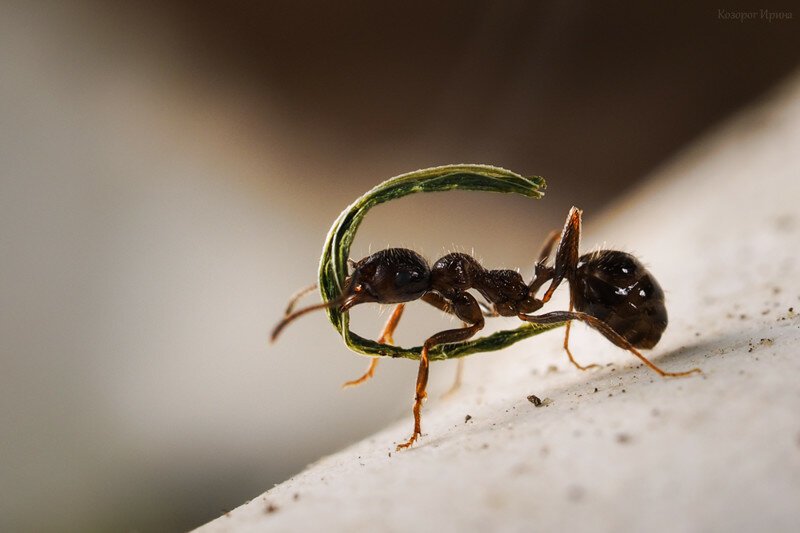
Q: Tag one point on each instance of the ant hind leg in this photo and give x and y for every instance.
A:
(569, 353)
(565, 316)
(385, 338)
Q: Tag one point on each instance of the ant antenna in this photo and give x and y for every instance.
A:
(297, 314)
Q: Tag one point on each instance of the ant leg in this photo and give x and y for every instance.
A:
(296, 297)
(465, 307)
(605, 329)
(566, 345)
(438, 301)
(385, 338)
(441, 303)
(543, 273)
(487, 309)
(547, 246)
(457, 383)
(567, 253)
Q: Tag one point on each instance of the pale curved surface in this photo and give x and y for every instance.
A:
(720, 228)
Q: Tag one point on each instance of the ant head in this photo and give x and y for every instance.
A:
(393, 275)
(390, 276)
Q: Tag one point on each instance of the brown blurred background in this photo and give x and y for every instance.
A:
(168, 172)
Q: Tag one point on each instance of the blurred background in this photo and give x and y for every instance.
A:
(169, 170)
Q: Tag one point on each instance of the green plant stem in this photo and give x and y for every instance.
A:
(333, 263)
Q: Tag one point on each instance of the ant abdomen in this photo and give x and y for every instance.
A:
(616, 288)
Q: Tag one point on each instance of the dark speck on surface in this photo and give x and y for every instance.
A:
(271, 508)
(535, 400)
(467, 418)
(623, 438)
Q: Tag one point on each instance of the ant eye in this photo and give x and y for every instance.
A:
(404, 277)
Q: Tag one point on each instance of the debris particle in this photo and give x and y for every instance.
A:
(623, 438)
(551, 369)
(467, 418)
(596, 389)
(537, 402)
(271, 508)
(623, 390)
(485, 446)
(743, 317)
(296, 496)
(761, 342)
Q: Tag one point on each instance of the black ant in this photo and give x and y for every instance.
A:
(611, 291)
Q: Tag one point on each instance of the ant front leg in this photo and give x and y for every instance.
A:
(565, 316)
(465, 307)
(385, 338)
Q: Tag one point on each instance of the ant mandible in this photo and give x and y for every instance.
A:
(609, 290)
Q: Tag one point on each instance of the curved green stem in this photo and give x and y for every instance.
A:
(333, 263)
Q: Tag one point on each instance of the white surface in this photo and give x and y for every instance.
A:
(720, 228)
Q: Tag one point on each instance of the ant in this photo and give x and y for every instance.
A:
(610, 290)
